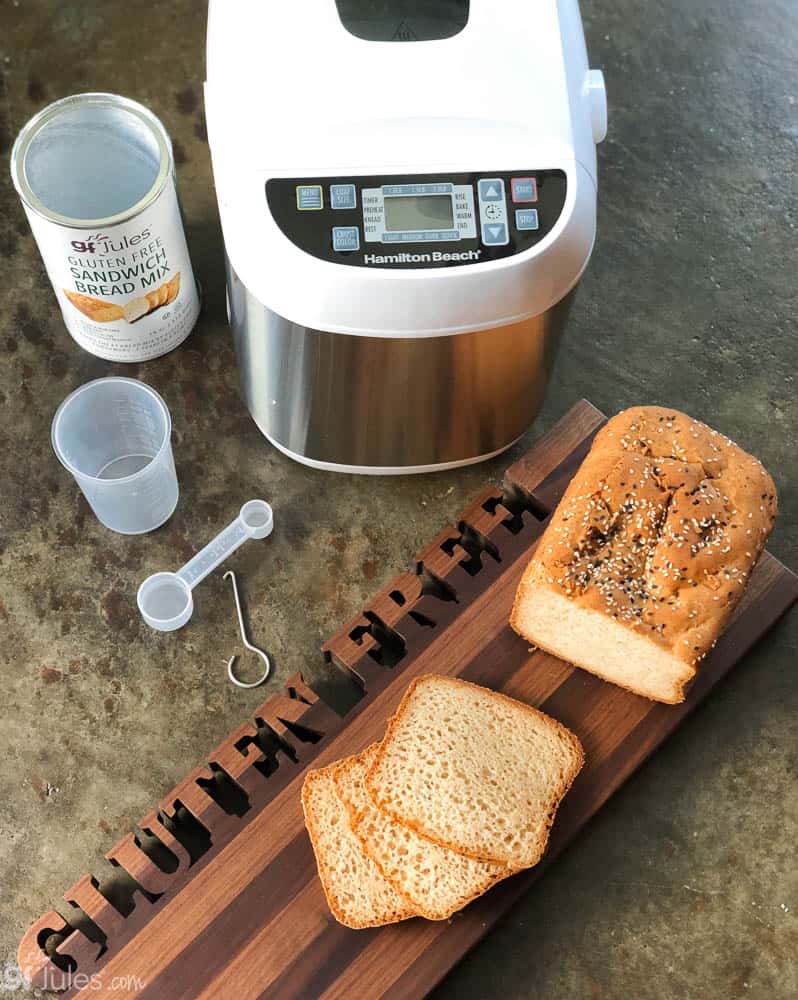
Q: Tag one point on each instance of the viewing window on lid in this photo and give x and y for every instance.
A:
(403, 20)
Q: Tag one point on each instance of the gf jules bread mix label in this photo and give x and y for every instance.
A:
(127, 291)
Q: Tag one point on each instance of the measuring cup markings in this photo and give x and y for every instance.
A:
(132, 416)
(113, 435)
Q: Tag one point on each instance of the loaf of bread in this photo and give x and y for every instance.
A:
(648, 552)
(473, 770)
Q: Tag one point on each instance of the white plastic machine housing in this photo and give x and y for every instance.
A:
(290, 92)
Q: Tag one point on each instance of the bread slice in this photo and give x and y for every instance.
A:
(475, 771)
(357, 894)
(648, 552)
(438, 882)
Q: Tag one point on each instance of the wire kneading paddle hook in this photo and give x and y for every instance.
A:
(245, 640)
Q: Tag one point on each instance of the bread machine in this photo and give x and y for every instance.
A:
(407, 192)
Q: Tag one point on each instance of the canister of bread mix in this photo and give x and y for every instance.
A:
(95, 173)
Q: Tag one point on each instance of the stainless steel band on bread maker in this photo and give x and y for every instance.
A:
(377, 402)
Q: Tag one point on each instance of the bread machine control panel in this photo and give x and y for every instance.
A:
(442, 220)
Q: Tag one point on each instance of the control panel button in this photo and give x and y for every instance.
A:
(493, 212)
(309, 197)
(526, 218)
(343, 196)
(524, 189)
(345, 238)
(491, 189)
(495, 234)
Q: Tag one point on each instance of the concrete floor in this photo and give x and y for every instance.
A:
(685, 885)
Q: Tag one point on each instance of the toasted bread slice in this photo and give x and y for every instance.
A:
(438, 881)
(473, 770)
(357, 893)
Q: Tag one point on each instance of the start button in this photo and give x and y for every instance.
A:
(524, 189)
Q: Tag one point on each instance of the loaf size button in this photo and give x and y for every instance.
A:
(345, 238)
(526, 218)
(309, 197)
(342, 196)
(524, 189)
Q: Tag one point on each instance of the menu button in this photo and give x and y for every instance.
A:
(309, 197)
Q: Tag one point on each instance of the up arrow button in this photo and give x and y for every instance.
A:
(491, 190)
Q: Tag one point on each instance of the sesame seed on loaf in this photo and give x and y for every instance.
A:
(648, 552)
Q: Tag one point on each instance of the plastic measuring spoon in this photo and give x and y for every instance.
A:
(165, 600)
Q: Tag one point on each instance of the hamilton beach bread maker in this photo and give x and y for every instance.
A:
(407, 191)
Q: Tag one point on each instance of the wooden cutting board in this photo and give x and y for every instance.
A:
(217, 894)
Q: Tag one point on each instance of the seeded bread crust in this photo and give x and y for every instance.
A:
(659, 530)
(391, 800)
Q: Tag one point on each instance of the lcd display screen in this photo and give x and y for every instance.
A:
(404, 213)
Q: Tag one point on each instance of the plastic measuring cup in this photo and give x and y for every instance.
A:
(114, 436)
(165, 600)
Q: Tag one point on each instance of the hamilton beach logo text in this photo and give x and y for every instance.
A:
(435, 257)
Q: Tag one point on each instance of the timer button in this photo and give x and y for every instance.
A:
(492, 212)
